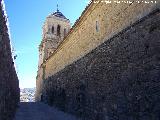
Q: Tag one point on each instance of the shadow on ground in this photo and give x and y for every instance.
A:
(40, 111)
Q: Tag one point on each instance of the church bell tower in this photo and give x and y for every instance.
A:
(55, 28)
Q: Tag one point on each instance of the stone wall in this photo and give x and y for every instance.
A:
(9, 85)
(119, 80)
(112, 18)
(83, 37)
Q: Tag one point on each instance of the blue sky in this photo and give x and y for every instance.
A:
(26, 18)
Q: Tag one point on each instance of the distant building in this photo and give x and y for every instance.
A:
(27, 95)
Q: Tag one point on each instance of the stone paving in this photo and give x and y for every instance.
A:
(40, 111)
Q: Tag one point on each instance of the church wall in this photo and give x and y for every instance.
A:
(112, 18)
(118, 80)
(39, 83)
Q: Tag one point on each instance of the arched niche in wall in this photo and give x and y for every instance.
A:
(65, 32)
(97, 26)
(58, 30)
(52, 29)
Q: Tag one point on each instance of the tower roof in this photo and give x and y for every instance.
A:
(59, 14)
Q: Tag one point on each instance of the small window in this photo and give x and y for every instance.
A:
(52, 29)
(65, 32)
(49, 30)
(97, 26)
(58, 30)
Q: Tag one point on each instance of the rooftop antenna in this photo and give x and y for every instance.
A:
(57, 6)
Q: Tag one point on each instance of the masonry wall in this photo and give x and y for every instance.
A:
(112, 18)
(9, 85)
(83, 38)
(118, 80)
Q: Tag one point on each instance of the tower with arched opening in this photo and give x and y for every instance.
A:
(55, 28)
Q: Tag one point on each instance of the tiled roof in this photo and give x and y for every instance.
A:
(59, 14)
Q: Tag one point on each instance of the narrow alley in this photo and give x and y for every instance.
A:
(40, 111)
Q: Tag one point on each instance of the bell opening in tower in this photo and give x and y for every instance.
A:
(58, 30)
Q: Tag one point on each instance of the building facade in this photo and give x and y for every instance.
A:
(107, 67)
